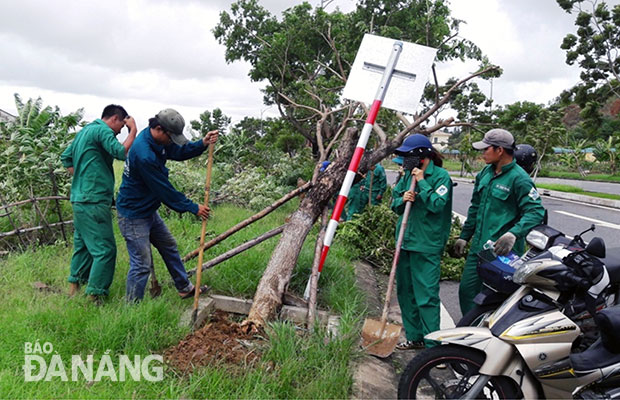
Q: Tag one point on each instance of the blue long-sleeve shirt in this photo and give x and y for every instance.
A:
(145, 182)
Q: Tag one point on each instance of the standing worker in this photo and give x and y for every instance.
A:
(89, 159)
(145, 186)
(428, 229)
(376, 175)
(505, 206)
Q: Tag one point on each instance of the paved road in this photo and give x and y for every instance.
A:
(603, 187)
(567, 216)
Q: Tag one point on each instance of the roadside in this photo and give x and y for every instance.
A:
(581, 198)
(375, 378)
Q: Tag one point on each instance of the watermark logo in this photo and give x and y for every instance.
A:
(39, 366)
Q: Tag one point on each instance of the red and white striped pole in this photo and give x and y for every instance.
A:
(357, 157)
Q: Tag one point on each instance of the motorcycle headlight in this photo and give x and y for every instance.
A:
(525, 271)
(537, 239)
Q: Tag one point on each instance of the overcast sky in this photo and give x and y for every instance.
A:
(152, 54)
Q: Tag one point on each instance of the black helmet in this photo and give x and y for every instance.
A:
(526, 157)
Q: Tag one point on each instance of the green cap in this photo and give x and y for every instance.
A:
(173, 123)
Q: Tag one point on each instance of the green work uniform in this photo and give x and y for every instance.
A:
(507, 202)
(428, 229)
(94, 248)
(379, 183)
(357, 200)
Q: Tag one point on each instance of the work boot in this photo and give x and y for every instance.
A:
(74, 287)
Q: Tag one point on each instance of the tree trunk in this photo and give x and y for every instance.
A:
(275, 280)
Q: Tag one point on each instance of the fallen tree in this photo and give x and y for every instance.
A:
(305, 59)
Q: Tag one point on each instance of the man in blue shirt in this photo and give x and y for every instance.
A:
(145, 186)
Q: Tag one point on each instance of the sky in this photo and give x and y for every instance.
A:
(152, 54)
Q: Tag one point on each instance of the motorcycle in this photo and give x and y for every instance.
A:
(526, 347)
(496, 274)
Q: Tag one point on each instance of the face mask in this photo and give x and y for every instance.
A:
(411, 162)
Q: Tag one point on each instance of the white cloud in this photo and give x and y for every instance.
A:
(151, 54)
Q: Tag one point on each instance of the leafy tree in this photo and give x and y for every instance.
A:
(305, 58)
(210, 121)
(606, 150)
(595, 47)
(30, 149)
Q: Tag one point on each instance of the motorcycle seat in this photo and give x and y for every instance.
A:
(612, 263)
(595, 357)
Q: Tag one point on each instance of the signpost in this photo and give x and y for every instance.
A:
(407, 66)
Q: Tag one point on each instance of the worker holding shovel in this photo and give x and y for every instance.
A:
(145, 186)
(427, 231)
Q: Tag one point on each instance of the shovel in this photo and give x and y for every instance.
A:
(155, 289)
(202, 237)
(378, 337)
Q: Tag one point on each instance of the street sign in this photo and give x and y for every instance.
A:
(408, 78)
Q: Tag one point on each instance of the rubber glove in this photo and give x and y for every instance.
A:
(504, 244)
(459, 247)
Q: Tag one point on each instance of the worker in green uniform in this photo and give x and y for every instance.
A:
(89, 159)
(357, 199)
(428, 229)
(505, 206)
(376, 182)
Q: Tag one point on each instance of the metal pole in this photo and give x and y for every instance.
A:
(397, 48)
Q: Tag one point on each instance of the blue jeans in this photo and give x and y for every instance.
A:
(139, 234)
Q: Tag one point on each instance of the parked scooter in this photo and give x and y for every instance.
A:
(525, 348)
(497, 276)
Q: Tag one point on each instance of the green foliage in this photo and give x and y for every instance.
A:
(452, 267)
(606, 150)
(210, 121)
(371, 236)
(594, 48)
(306, 55)
(30, 150)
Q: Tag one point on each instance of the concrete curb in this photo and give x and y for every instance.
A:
(563, 195)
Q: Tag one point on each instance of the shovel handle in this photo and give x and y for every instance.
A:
(399, 242)
(203, 233)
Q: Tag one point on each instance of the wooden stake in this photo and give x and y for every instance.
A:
(202, 236)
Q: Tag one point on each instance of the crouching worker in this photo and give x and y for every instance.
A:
(144, 187)
(428, 229)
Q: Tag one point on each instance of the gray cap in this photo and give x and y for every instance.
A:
(496, 137)
(173, 123)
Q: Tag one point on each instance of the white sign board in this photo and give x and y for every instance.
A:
(408, 81)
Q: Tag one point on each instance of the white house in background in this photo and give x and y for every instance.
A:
(6, 117)
(439, 139)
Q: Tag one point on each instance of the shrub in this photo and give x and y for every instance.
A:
(371, 235)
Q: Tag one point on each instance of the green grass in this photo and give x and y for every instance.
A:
(293, 365)
(573, 189)
(576, 175)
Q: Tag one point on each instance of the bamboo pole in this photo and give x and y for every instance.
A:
(202, 235)
(21, 202)
(248, 221)
(239, 249)
(58, 209)
(35, 228)
(16, 230)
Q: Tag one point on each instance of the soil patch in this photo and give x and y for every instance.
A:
(219, 341)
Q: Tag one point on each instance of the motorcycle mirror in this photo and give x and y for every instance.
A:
(596, 247)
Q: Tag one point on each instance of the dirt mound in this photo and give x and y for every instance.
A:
(219, 341)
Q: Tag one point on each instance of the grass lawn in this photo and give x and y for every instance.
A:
(292, 365)
(576, 175)
(577, 190)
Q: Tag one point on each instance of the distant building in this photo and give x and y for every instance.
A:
(439, 139)
(6, 117)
